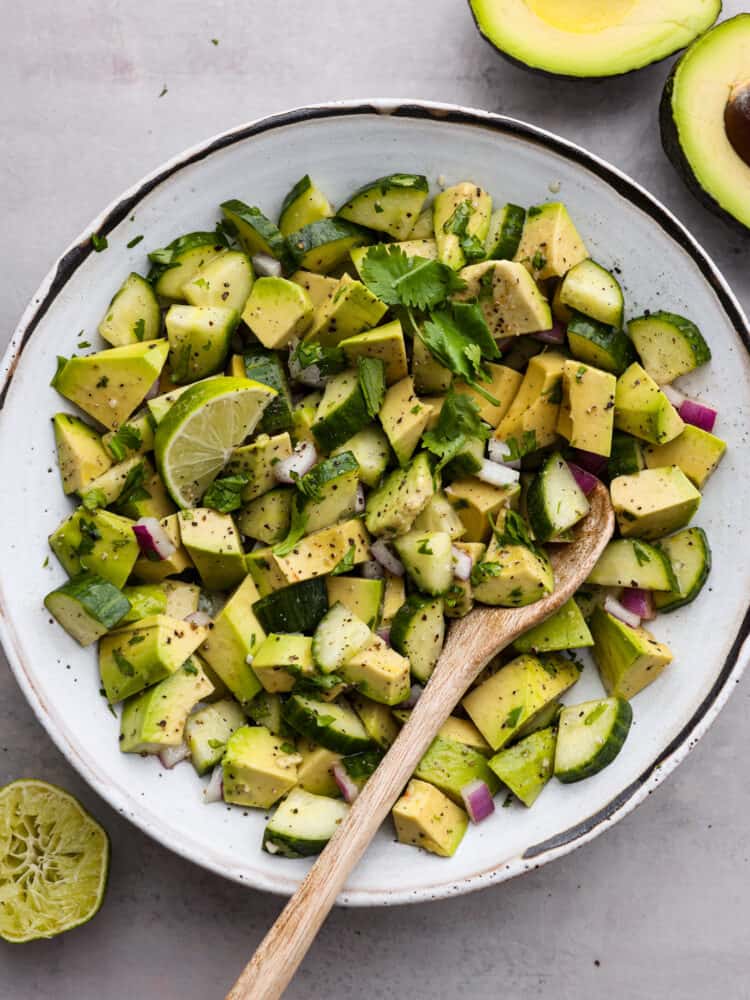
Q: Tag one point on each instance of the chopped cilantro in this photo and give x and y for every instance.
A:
(90, 535)
(371, 375)
(133, 489)
(215, 744)
(103, 382)
(538, 261)
(214, 41)
(296, 531)
(98, 242)
(485, 571)
(134, 242)
(346, 563)
(126, 438)
(641, 554)
(124, 666)
(328, 360)
(82, 344)
(225, 494)
(137, 639)
(139, 329)
(458, 424)
(518, 449)
(512, 718)
(458, 224)
(163, 90)
(94, 498)
(580, 372)
(424, 547)
(190, 668)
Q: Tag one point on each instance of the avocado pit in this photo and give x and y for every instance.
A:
(737, 119)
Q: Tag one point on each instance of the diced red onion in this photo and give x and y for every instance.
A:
(555, 334)
(462, 563)
(199, 618)
(504, 343)
(372, 570)
(414, 695)
(359, 499)
(170, 756)
(347, 787)
(311, 376)
(617, 610)
(214, 790)
(382, 553)
(639, 602)
(587, 460)
(500, 452)
(153, 541)
(675, 397)
(266, 266)
(153, 391)
(478, 800)
(496, 474)
(385, 635)
(698, 414)
(585, 480)
(302, 459)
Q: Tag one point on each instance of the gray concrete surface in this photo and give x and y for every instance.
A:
(656, 909)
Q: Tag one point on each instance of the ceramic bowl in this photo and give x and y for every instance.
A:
(341, 146)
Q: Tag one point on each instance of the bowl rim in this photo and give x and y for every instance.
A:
(78, 251)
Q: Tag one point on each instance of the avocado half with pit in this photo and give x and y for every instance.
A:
(705, 119)
(591, 38)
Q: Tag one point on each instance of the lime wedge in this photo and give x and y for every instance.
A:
(54, 860)
(200, 430)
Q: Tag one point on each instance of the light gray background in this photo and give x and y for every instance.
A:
(659, 907)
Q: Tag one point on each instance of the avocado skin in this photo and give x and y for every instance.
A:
(670, 140)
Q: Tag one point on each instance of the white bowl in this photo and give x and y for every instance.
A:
(342, 146)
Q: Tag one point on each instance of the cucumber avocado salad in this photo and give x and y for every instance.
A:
(309, 444)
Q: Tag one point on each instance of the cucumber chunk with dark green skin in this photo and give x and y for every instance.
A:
(418, 633)
(342, 412)
(690, 556)
(506, 228)
(87, 607)
(626, 457)
(255, 231)
(590, 736)
(303, 824)
(669, 345)
(297, 608)
(174, 265)
(389, 204)
(599, 345)
(321, 246)
(267, 368)
(554, 502)
(304, 204)
(334, 725)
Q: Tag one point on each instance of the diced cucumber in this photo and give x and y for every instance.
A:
(199, 340)
(590, 289)
(331, 724)
(133, 314)
(669, 345)
(256, 233)
(297, 608)
(371, 449)
(626, 457)
(590, 736)
(364, 598)
(418, 633)
(377, 719)
(690, 557)
(506, 227)
(339, 635)
(342, 411)
(321, 246)
(427, 558)
(227, 281)
(599, 345)
(87, 607)
(305, 203)
(147, 599)
(527, 766)
(328, 492)
(439, 515)
(207, 732)
(177, 263)
(388, 205)
(555, 501)
(265, 710)
(303, 824)
(629, 562)
(267, 368)
(450, 766)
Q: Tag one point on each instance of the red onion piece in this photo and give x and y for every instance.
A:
(595, 464)
(698, 414)
(382, 554)
(585, 479)
(504, 343)
(385, 635)
(153, 541)
(675, 397)
(302, 459)
(462, 563)
(639, 602)
(478, 800)
(199, 618)
(214, 790)
(153, 391)
(500, 452)
(347, 787)
(555, 334)
(372, 570)
(359, 499)
(414, 695)
(170, 756)
(617, 610)
(266, 266)
(497, 475)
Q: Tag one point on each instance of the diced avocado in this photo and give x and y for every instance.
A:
(315, 773)
(371, 449)
(159, 406)
(227, 281)
(427, 558)
(599, 345)
(267, 518)
(393, 598)
(281, 659)
(147, 497)
(81, 455)
(147, 600)
(377, 719)
(305, 203)
(439, 515)
(536, 405)
(527, 767)
(565, 629)
(668, 345)
(385, 342)
(234, 637)
(388, 205)
(378, 672)
(586, 416)
(199, 340)
(550, 244)
(628, 562)
(628, 658)
(512, 575)
(303, 417)
(257, 767)
(328, 492)
(548, 716)
(503, 385)
(207, 732)
(100, 541)
(642, 409)
(322, 551)
(277, 311)
(423, 231)
(142, 654)
(424, 817)
(267, 368)
(257, 461)
(459, 600)
(318, 286)
(111, 384)
(454, 730)
(626, 457)
(461, 219)
(152, 571)
(654, 502)
(87, 607)
(136, 437)
(213, 543)
(510, 299)
(695, 451)
(690, 556)
(404, 417)
(429, 375)
(182, 598)
(351, 309)
(506, 701)
(393, 507)
(107, 487)
(155, 719)
(133, 314)
(450, 766)
(475, 502)
(362, 597)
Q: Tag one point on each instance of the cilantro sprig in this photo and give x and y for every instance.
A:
(225, 494)
(459, 422)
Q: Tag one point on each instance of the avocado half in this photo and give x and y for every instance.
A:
(705, 119)
(591, 38)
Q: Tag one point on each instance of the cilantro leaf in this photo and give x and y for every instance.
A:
(458, 224)
(94, 498)
(346, 563)
(414, 282)
(98, 242)
(133, 489)
(296, 531)
(139, 329)
(123, 665)
(459, 422)
(225, 494)
(514, 531)
(126, 438)
(90, 534)
(381, 268)
(371, 375)
(641, 554)
(485, 571)
(328, 360)
(518, 449)
(455, 336)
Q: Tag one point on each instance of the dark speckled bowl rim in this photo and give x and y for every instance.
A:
(537, 854)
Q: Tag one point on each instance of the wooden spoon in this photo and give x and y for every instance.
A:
(472, 642)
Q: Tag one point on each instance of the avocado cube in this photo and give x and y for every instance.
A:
(379, 673)
(512, 575)
(322, 551)
(510, 299)
(695, 451)
(199, 340)
(262, 567)
(258, 769)
(154, 571)
(315, 772)
(629, 659)
(156, 718)
(565, 629)
(100, 541)
(439, 515)
(377, 719)
(144, 653)
(450, 766)
(506, 701)
(586, 416)
(81, 455)
(318, 286)
(460, 598)
(384, 342)
(107, 488)
(536, 405)
(363, 598)
(653, 502)
(110, 385)
(403, 417)
(281, 660)
(213, 543)
(207, 732)
(462, 731)
(460, 213)
(393, 507)
(268, 517)
(182, 598)
(503, 384)
(277, 311)
(394, 596)
(257, 461)
(233, 639)
(475, 502)
(424, 817)
(550, 244)
(150, 499)
(642, 409)
(351, 309)
(527, 767)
